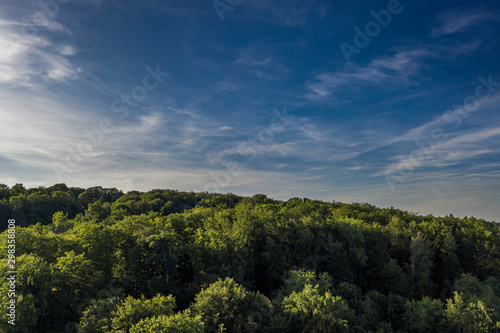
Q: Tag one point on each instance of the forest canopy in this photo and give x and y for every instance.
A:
(101, 260)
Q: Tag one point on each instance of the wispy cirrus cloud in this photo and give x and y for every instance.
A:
(456, 21)
(53, 133)
(446, 119)
(456, 144)
(260, 61)
(33, 60)
(407, 61)
(395, 69)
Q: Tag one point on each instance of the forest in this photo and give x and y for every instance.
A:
(101, 260)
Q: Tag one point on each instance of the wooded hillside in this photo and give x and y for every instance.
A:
(99, 260)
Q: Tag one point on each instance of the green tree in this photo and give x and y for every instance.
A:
(61, 223)
(32, 294)
(178, 323)
(131, 311)
(97, 318)
(98, 242)
(424, 315)
(421, 262)
(470, 317)
(227, 304)
(312, 311)
(351, 235)
(150, 259)
(296, 281)
(472, 290)
(220, 249)
(381, 312)
(74, 279)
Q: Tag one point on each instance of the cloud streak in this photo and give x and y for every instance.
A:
(391, 71)
(32, 61)
(453, 22)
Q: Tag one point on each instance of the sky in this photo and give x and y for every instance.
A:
(394, 103)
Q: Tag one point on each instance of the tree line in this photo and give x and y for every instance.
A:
(100, 260)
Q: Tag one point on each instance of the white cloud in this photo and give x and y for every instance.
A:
(68, 50)
(457, 21)
(226, 86)
(32, 60)
(449, 152)
(191, 111)
(485, 103)
(395, 69)
(259, 61)
(312, 131)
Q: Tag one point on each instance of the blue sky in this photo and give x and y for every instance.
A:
(387, 102)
